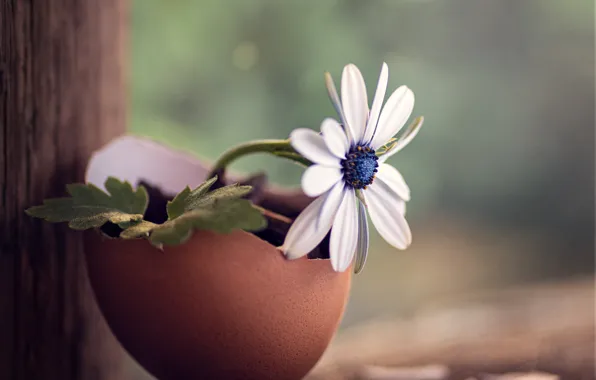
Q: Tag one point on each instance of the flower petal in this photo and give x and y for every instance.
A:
(354, 101)
(305, 234)
(312, 146)
(401, 207)
(344, 234)
(404, 139)
(375, 110)
(335, 138)
(385, 210)
(396, 112)
(317, 179)
(392, 178)
(332, 92)
(331, 204)
(362, 247)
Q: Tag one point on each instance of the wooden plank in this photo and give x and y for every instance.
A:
(62, 95)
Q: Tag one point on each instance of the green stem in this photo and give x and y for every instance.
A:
(296, 157)
(280, 148)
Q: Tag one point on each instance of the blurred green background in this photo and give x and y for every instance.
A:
(502, 173)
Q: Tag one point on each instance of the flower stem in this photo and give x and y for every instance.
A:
(296, 157)
(281, 148)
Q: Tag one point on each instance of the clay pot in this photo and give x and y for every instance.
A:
(217, 307)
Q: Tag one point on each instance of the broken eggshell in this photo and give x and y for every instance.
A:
(218, 306)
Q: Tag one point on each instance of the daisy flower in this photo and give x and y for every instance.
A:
(349, 175)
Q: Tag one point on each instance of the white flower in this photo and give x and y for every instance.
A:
(347, 176)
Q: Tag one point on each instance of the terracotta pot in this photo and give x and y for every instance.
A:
(217, 307)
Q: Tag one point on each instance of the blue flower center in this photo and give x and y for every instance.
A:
(360, 166)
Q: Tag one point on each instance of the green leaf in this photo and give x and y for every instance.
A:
(188, 199)
(221, 210)
(220, 215)
(177, 206)
(139, 230)
(90, 207)
(125, 197)
(184, 199)
(234, 191)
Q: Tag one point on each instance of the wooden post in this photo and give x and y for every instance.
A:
(62, 95)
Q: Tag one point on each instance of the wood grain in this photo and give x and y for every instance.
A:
(62, 95)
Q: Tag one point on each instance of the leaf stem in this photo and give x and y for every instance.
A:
(281, 148)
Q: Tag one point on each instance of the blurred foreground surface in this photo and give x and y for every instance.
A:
(547, 328)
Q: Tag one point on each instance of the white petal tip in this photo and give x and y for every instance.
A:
(311, 145)
(296, 133)
(339, 269)
(405, 90)
(406, 244)
(288, 254)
